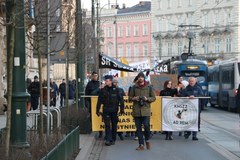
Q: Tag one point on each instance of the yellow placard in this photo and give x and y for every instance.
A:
(126, 121)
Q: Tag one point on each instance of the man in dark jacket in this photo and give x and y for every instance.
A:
(34, 90)
(111, 98)
(191, 91)
(92, 89)
(62, 91)
(142, 96)
(55, 92)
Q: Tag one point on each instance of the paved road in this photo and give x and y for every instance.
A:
(219, 139)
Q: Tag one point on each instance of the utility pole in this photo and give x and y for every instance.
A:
(98, 37)
(80, 57)
(48, 66)
(18, 131)
(93, 37)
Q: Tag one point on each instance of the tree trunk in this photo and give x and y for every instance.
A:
(11, 32)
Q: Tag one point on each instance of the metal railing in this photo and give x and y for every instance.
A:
(66, 148)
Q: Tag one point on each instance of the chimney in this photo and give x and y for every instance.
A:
(123, 6)
(141, 3)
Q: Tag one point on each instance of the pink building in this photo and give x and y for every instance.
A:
(126, 32)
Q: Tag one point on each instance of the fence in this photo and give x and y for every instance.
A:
(66, 148)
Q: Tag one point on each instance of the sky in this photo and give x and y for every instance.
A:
(129, 3)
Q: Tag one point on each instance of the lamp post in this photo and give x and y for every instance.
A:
(18, 131)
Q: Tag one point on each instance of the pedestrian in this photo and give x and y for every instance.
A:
(111, 99)
(55, 92)
(191, 91)
(142, 96)
(121, 91)
(71, 92)
(93, 89)
(62, 91)
(34, 90)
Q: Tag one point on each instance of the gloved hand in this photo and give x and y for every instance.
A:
(98, 113)
(121, 111)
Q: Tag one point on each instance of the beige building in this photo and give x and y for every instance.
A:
(216, 33)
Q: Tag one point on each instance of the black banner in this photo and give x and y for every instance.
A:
(108, 62)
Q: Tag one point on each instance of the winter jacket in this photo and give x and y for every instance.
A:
(111, 98)
(168, 92)
(147, 91)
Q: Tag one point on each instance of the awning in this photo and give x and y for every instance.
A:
(108, 62)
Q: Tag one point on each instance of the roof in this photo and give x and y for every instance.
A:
(142, 6)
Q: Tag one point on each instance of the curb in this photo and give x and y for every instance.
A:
(87, 142)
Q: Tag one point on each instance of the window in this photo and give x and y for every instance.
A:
(128, 31)
(228, 45)
(120, 50)
(109, 31)
(145, 49)
(190, 19)
(110, 49)
(228, 18)
(179, 47)
(205, 20)
(58, 12)
(145, 30)
(136, 50)
(216, 18)
(136, 30)
(206, 43)
(169, 48)
(120, 31)
(179, 3)
(190, 2)
(160, 25)
(128, 50)
(159, 4)
(217, 45)
(169, 4)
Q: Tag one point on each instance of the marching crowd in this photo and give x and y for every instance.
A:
(141, 93)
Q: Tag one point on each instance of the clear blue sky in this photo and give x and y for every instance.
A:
(129, 3)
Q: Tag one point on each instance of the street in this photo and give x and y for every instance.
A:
(218, 140)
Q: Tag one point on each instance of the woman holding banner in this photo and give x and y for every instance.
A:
(168, 91)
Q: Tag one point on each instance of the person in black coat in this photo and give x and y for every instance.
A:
(112, 100)
(62, 91)
(168, 91)
(34, 90)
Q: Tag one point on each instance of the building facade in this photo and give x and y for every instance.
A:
(126, 32)
(212, 25)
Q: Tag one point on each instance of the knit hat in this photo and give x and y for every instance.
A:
(108, 77)
(35, 77)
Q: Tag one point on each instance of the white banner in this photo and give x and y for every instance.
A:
(179, 114)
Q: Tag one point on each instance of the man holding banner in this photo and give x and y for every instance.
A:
(191, 91)
(110, 98)
(142, 96)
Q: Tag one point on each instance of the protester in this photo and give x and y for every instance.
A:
(168, 91)
(110, 98)
(71, 92)
(93, 89)
(191, 91)
(62, 91)
(142, 96)
(34, 90)
(55, 92)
